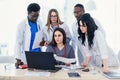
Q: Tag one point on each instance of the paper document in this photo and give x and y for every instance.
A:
(38, 39)
(70, 67)
(65, 60)
(46, 74)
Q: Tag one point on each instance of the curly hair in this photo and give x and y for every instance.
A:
(33, 7)
(80, 6)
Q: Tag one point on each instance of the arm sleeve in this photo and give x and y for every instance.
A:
(102, 44)
(100, 27)
(74, 40)
(68, 34)
(45, 36)
(85, 50)
(19, 40)
(71, 53)
(49, 49)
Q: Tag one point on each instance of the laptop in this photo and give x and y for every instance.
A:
(40, 60)
(113, 74)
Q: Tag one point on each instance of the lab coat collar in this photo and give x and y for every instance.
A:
(38, 23)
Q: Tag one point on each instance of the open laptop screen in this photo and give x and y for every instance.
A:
(40, 60)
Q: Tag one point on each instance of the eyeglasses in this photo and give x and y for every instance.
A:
(53, 16)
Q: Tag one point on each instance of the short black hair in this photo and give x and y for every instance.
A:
(33, 7)
(79, 5)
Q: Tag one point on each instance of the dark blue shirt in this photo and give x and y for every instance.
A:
(33, 28)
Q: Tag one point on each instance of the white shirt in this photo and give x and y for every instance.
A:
(75, 43)
(23, 37)
(50, 33)
(75, 29)
(99, 50)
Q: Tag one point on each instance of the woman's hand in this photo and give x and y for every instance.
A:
(42, 43)
(18, 63)
(105, 65)
(84, 64)
(67, 64)
(46, 43)
(105, 69)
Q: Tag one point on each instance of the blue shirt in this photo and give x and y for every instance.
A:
(33, 28)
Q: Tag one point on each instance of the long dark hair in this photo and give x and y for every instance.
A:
(87, 20)
(53, 43)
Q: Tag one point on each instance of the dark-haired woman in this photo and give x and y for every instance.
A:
(93, 44)
(58, 45)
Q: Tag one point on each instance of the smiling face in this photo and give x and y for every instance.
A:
(83, 27)
(58, 37)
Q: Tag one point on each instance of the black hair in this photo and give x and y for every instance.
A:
(91, 27)
(79, 5)
(33, 7)
(53, 43)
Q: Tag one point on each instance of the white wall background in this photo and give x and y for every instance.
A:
(106, 11)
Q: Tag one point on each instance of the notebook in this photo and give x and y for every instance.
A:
(113, 74)
(40, 60)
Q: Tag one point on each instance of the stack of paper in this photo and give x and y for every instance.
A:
(65, 60)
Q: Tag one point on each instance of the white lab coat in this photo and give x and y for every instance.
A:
(23, 37)
(50, 33)
(75, 30)
(99, 51)
(74, 41)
